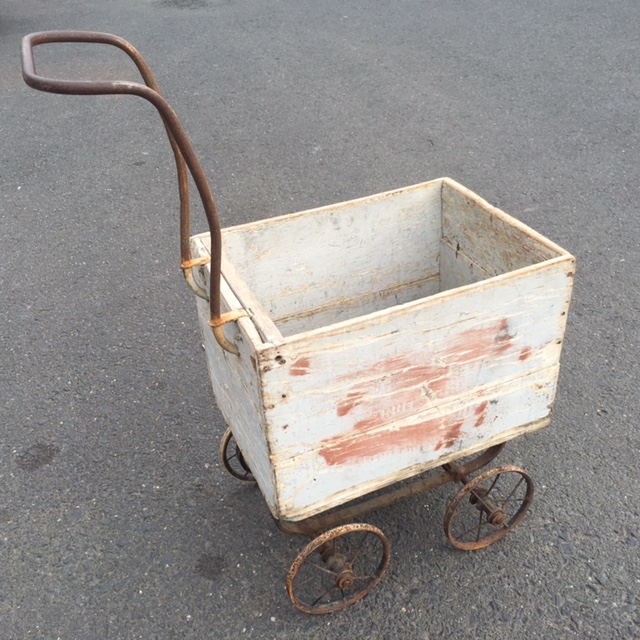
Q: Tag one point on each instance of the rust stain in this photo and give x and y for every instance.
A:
(300, 367)
(397, 389)
(254, 364)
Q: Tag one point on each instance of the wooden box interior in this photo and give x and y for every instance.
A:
(319, 267)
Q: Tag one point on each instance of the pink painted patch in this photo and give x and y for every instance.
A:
(481, 413)
(397, 389)
(353, 400)
(450, 436)
(476, 344)
(370, 443)
(300, 367)
(525, 354)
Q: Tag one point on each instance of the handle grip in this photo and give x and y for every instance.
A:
(183, 151)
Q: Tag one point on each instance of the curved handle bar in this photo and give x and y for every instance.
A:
(182, 149)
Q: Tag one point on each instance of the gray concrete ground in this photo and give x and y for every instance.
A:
(116, 519)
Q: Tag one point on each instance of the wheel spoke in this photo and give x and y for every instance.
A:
(479, 525)
(324, 593)
(363, 577)
(469, 507)
(303, 583)
(321, 568)
(493, 484)
(476, 527)
(481, 500)
(357, 553)
(508, 498)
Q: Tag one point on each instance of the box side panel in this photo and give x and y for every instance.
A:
(266, 330)
(456, 270)
(490, 239)
(263, 323)
(359, 406)
(339, 309)
(237, 388)
(342, 261)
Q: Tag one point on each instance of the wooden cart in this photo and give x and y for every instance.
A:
(362, 344)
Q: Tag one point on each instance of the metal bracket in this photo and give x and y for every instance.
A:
(218, 323)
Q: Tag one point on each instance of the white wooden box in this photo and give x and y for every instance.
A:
(387, 335)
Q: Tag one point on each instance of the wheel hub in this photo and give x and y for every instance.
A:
(497, 517)
(334, 559)
(345, 579)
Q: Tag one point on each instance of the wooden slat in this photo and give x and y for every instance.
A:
(339, 309)
(365, 402)
(263, 323)
(307, 265)
(491, 239)
(456, 269)
(201, 246)
(236, 383)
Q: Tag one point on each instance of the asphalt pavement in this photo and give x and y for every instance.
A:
(117, 520)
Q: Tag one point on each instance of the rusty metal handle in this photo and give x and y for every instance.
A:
(182, 149)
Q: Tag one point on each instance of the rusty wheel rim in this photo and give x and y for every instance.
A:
(233, 460)
(476, 462)
(488, 507)
(338, 568)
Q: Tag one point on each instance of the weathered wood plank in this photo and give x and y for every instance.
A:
(321, 491)
(339, 309)
(401, 388)
(379, 481)
(456, 269)
(261, 320)
(305, 267)
(201, 245)
(236, 383)
(493, 240)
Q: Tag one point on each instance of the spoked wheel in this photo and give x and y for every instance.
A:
(233, 460)
(488, 507)
(338, 568)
